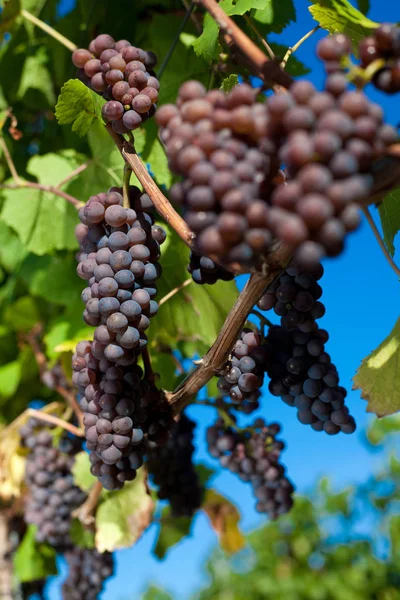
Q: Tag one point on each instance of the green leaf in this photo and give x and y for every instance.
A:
(80, 536)
(364, 6)
(153, 154)
(36, 81)
(204, 473)
(229, 83)
(389, 212)
(194, 314)
(48, 222)
(78, 105)
(34, 561)
(154, 593)
(277, 14)
(206, 45)
(339, 16)
(171, 531)
(224, 518)
(378, 377)
(52, 278)
(379, 429)
(51, 168)
(10, 376)
(164, 364)
(81, 472)
(67, 330)
(23, 314)
(123, 516)
(12, 251)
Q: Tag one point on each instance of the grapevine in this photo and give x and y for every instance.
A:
(235, 182)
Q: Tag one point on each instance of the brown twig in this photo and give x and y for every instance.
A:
(297, 45)
(44, 188)
(161, 203)
(267, 69)
(172, 293)
(38, 414)
(85, 512)
(9, 161)
(380, 241)
(217, 355)
(73, 174)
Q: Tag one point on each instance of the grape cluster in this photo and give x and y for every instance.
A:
(383, 44)
(124, 76)
(294, 296)
(243, 375)
(303, 375)
(113, 399)
(328, 142)
(255, 457)
(213, 139)
(52, 493)
(88, 570)
(172, 469)
(205, 271)
(120, 248)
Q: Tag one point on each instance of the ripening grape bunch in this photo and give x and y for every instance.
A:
(120, 248)
(88, 570)
(123, 74)
(172, 469)
(230, 151)
(243, 375)
(255, 457)
(53, 496)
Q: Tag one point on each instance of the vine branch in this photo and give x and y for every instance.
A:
(218, 354)
(48, 29)
(44, 188)
(38, 414)
(161, 203)
(293, 49)
(85, 512)
(172, 293)
(73, 174)
(380, 241)
(9, 161)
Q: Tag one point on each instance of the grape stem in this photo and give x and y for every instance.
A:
(9, 161)
(171, 49)
(73, 174)
(260, 38)
(41, 361)
(297, 45)
(161, 203)
(148, 369)
(213, 362)
(42, 416)
(267, 69)
(50, 30)
(264, 321)
(85, 512)
(44, 188)
(172, 293)
(125, 185)
(380, 241)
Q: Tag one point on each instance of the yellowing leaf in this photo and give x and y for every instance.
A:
(224, 517)
(123, 516)
(378, 377)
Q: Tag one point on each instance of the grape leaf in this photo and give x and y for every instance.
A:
(196, 313)
(364, 6)
(48, 222)
(81, 472)
(52, 278)
(171, 531)
(339, 16)
(224, 518)
(378, 376)
(389, 213)
(23, 314)
(229, 82)
(10, 376)
(80, 535)
(204, 473)
(12, 251)
(381, 428)
(36, 83)
(51, 168)
(78, 105)
(67, 330)
(277, 14)
(32, 560)
(123, 515)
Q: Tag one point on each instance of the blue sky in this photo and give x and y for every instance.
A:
(361, 295)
